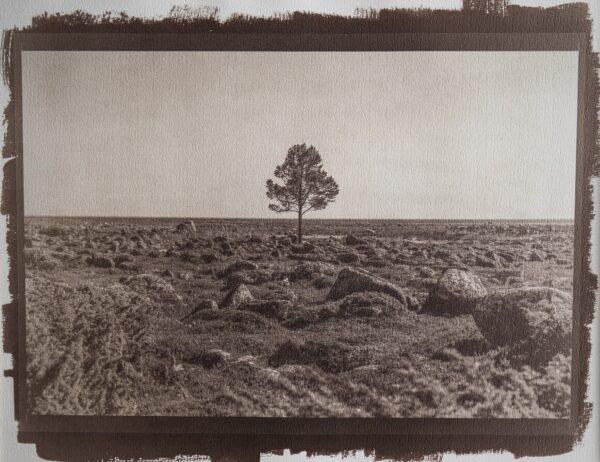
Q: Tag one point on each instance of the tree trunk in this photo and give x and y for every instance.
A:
(299, 227)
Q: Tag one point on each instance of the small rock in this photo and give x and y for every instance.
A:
(412, 303)
(426, 272)
(237, 296)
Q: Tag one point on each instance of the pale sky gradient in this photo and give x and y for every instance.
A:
(405, 134)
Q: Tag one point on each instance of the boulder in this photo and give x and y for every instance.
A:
(237, 296)
(456, 292)
(535, 322)
(352, 280)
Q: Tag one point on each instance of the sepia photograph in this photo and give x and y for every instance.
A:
(299, 234)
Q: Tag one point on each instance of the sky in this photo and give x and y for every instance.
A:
(470, 135)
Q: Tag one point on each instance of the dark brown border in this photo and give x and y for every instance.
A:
(316, 42)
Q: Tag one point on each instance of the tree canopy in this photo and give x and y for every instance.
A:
(304, 186)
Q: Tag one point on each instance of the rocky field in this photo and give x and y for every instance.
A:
(234, 318)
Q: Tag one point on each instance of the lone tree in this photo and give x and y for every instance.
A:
(306, 186)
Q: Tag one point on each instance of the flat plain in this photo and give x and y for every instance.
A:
(228, 317)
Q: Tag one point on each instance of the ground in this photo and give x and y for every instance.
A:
(233, 318)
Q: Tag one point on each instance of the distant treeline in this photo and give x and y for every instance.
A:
(571, 17)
